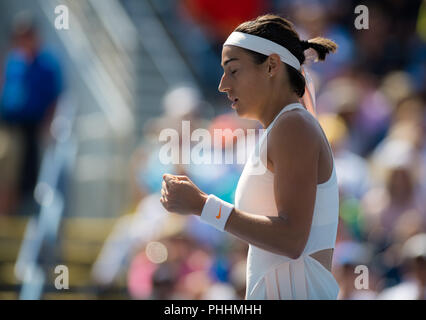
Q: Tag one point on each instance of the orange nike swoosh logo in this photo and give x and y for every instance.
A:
(220, 209)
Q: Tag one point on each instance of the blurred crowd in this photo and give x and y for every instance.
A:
(371, 103)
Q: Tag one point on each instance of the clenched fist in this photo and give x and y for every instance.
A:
(180, 195)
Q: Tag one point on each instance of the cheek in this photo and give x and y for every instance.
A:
(255, 90)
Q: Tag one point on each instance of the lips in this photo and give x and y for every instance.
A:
(232, 99)
(234, 103)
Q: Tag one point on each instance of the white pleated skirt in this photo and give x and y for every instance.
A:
(301, 279)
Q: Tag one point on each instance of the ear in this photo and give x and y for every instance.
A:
(274, 64)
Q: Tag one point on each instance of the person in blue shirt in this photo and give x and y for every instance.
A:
(32, 83)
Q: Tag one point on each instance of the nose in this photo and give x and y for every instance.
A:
(223, 85)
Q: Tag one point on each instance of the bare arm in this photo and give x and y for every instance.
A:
(293, 149)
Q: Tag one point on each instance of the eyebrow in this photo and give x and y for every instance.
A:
(229, 60)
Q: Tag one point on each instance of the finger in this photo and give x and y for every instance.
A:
(163, 202)
(168, 177)
(165, 187)
(163, 193)
(182, 178)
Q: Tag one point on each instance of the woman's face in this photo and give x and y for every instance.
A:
(245, 82)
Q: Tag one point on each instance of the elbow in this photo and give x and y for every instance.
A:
(296, 250)
(292, 244)
(296, 254)
(290, 253)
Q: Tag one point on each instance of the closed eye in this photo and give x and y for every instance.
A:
(233, 72)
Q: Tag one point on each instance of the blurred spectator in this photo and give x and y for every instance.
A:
(163, 282)
(32, 85)
(413, 287)
(10, 164)
(347, 256)
(131, 232)
(220, 17)
(362, 106)
(352, 169)
(353, 177)
(312, 18)
(386, 208)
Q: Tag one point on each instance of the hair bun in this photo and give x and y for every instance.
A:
(305, 44)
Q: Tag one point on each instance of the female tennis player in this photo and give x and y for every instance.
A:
(288, 214)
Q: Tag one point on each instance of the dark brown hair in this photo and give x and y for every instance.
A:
(282, 31)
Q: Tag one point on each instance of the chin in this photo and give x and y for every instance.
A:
(240, 112)
(243, 113)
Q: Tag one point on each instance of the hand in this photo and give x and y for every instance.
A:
(180, 195)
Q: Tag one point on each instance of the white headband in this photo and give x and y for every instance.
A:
(263, 46)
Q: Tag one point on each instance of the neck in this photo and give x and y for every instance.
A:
(274, 107)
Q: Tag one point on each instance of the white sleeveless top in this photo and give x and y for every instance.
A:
(273, 276)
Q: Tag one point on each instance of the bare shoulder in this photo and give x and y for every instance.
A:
(294, 129)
